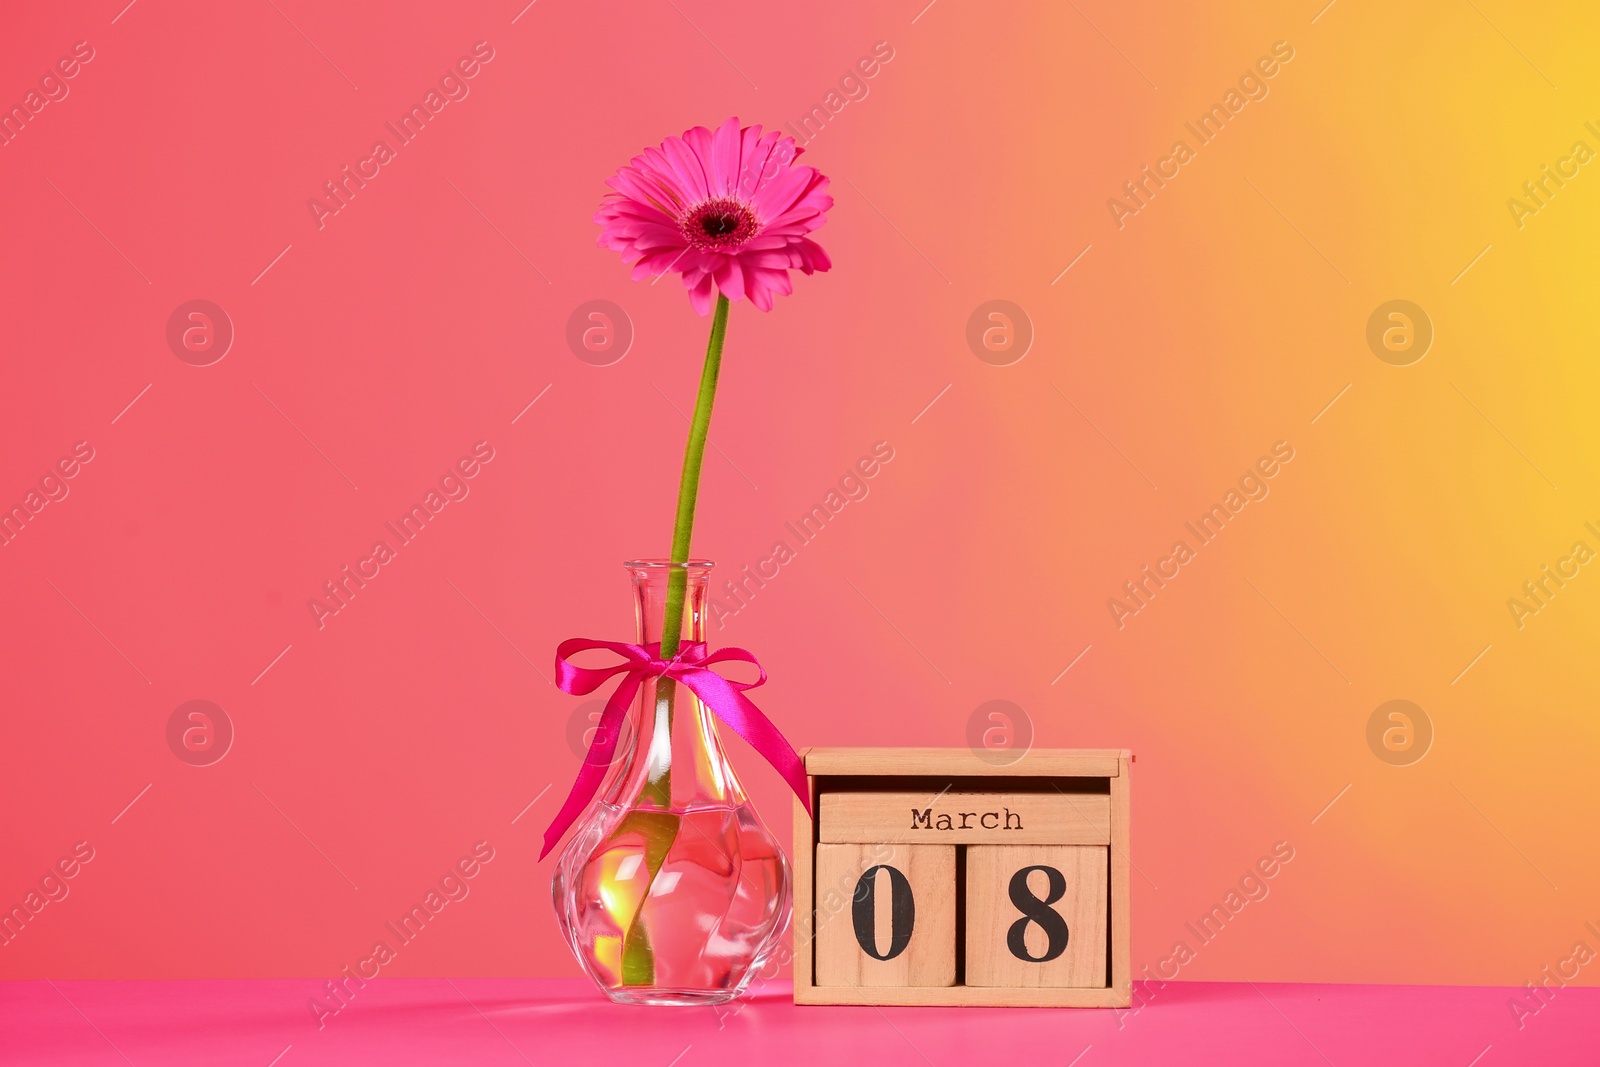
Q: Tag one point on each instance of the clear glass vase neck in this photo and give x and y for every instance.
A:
(675, 761)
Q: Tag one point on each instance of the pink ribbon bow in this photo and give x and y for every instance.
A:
(692, 667)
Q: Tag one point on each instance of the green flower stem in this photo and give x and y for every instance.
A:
(689, 483)
(660, 829)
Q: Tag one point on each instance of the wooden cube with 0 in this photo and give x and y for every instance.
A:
(886, 915)
(951, 877)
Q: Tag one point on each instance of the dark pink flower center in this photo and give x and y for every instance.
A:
(719, 225)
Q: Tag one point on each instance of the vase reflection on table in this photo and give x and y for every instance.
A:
(670, 889)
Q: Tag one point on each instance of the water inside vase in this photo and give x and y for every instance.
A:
(701, 925)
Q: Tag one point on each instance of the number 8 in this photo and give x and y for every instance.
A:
(1038, 912)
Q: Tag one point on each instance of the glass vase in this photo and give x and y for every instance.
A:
(670, 889)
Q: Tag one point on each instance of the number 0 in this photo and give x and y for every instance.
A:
(902, 912)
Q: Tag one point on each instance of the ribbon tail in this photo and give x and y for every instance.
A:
(748, 721)
(595, 762)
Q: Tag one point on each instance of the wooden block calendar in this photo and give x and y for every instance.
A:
(934, 876)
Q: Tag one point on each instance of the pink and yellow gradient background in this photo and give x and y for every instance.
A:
(1195, 337)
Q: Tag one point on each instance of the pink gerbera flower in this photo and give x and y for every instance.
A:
(729, 210)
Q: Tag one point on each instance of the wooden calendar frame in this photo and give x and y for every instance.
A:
(1078, 768)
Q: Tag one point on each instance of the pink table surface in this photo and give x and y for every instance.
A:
(476, 1021)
